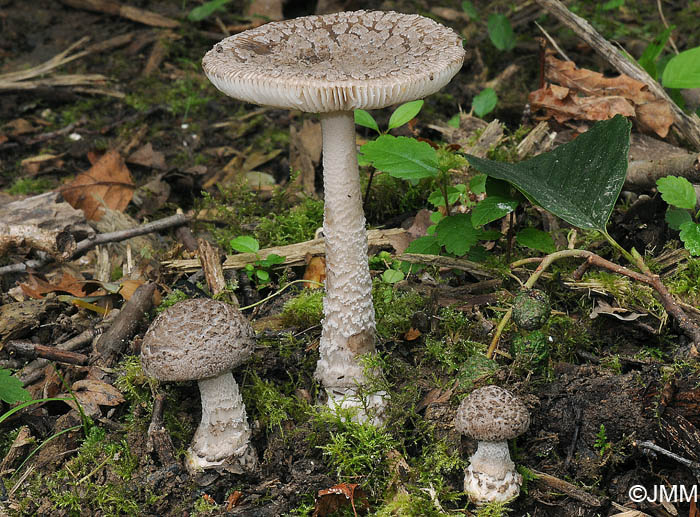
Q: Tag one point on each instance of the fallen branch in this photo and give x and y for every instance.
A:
(474, 268)
(694, 466)
(125, 11)
(642, 175)
(559, 485)
(294, 254)
(32, 351)
(689, 126)
(103, 238)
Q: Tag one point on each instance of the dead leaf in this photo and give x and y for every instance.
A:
(34, 164)
(128, 287)
(209, 499)
(563, 104)
(603, 307)
(36, 287)
(233, 500)
(694, 511)
(92, 394)
(315, 271)
(107, 183)
(147, 157)
(333, 498)
(434, 396)
(655, 117)
(18, 127)
(412, 334)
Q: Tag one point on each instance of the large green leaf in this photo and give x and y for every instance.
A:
(579, 181)
(457, 233)
(683, 70)
(402, 157)
(491, 209)
(11, 390)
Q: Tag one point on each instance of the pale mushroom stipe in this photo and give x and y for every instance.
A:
(202, 339)
(492, 416)
(332, 65)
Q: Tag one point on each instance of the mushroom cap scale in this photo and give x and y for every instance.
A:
(492, 414)
(196, 339)
(336, 62)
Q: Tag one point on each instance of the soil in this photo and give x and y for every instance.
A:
(591, 406)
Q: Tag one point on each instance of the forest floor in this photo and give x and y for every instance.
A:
(128, 101)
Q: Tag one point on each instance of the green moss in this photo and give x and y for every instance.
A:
(26, 186)
(686, 282)
(394, 309)
(271, 405)
(171, 299)
(391, 196)
(304, 310)
(297, 224)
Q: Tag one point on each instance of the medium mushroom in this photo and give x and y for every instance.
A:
(331, 65)
(492, 416)
(202, 339)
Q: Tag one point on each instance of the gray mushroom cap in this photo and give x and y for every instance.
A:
(492, 414)
(196, 339)
(336, 62)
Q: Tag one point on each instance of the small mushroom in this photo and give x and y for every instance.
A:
(331, 65)
(202, 340)
(492, 416)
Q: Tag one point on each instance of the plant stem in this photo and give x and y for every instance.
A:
(279, 291)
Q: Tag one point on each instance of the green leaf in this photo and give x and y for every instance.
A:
(391, 276)
(471, 11)
(454, 121)
(478, 184)
(271, 260)
(364, 119)
(484, 103)
(436, 197)
(677, 191)
(613, 4)
(683, 70)
(11, 390)
(690, 235)
(675, 217)
(578, 181)
(653, 51)
(263, 275)
(402, 157)
(457, 233)
(244, 244)
(205, 10)
(536, 239)
(501, 32)
(427, 245)
(491, 209)
(405, 113)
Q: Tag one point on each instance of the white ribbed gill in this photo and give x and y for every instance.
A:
(347, 306)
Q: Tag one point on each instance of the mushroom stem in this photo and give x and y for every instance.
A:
(348, 325)
(492, 458)
(491, 475)
(223, 431)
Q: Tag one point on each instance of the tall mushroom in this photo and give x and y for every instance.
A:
(202, 339)
(492, 416)
(332, 65)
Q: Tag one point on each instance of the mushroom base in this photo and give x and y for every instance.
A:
(483, 488)
(491, 475)
(368, 408)
(222, 439)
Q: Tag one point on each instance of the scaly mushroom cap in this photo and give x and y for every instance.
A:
(492, 414)
(337, 62)
(196, 339)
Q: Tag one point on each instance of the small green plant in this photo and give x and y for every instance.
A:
(11, 388)
(260, 269)
(484, 102)
(679, 193)
(174, 296)
(601, 441)
(493, 510)
(205, 10)
(24, 186)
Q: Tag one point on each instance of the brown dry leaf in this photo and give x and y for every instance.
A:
(694, 511)
(412, 334)
(233, 500)
(128, 287)
(18, 127)
(655, 117)
(565, 73)
(333, 498)
(563, 104)
(92, 394)
(435, 396)
(35, 287)
(315, 271)
(147, 157)
(108, 183)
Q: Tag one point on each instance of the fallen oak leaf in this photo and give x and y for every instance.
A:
(315, 271)
(107, 183)
(36, 287)
(91, 394)
(412, 334)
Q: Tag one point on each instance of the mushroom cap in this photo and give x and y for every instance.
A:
(196, 339)
(336, 62)
(492, 414)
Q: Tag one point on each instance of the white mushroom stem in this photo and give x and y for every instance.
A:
(491, 475)
(223, 432)
(348, 324)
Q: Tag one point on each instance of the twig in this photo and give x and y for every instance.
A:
(694, 466)
(30, 350)
(689, 126)
(642, 175)
(663, 20)
(114, 340)
(125, 11)
(688, 326)
(158, 436)
(102, 238)
(564, 486)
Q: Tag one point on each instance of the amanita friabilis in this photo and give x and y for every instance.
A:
(332, 65)
(492, 416)
(202, 339)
